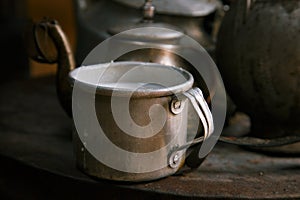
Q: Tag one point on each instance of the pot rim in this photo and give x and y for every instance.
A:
(107, 90)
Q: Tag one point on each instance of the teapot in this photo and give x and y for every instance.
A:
(258, 56)
(98, 20)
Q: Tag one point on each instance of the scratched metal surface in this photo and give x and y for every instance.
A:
(35, 131)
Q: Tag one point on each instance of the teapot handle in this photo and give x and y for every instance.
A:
(47, 43)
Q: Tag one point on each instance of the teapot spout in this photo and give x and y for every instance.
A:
(47, 43)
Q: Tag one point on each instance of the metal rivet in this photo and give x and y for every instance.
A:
(174, 160)
(176, 106)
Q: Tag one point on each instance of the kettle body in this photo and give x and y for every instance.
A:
(95, 18)
(258, 52)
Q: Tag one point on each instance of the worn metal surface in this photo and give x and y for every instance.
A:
(187, 8)
(166, 57)
(36, 131)
(171, 134)
(95, 18)
(258, 55)
(47, 43)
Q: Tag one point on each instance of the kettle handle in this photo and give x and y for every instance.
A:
(47, 43)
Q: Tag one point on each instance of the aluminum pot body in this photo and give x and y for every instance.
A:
(172, 134)
(175, 129)
(258, 52)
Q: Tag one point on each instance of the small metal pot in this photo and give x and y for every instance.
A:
(139, 146)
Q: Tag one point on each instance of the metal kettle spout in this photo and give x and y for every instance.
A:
(47, 43)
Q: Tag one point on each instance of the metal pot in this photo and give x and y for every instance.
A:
(146, 143)
(258, 55)
(99, 19)
(49, 44)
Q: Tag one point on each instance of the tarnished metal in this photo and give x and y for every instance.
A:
(84, 159)
(160, 37)
(246, 141)
(257, 142)
(173, 133)
(165, 57)
(50, 45)
(174, 160)
(141, 100)
(96, 19)
(258, 56)
(148, 11)
(187, 8)
(176, 106)
(142, 103)
(36, 136)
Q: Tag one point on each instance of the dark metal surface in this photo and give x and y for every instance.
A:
(49, 44)
(187, 8)
(95, 18)
(257, 142)
(34, 130)
(259, 62)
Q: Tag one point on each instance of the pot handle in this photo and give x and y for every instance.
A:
(197, 99)
(193, 160)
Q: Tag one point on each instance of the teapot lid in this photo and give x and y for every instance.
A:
(165, 32)
(190, 8)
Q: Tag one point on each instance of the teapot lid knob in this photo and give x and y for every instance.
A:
(148, 11)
